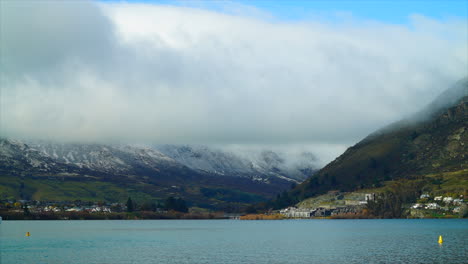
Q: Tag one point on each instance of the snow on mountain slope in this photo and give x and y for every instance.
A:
(259, 164)
(106, 158)
(53, 157)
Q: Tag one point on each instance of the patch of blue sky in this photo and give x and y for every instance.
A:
(388, 11)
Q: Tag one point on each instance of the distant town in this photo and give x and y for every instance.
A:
(426, 207)
(338, 206)
(171, 208)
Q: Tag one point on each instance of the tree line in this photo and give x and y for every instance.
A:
(170, 204)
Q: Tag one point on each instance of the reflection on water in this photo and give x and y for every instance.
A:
(231, 241)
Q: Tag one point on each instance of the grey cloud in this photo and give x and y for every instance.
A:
(38, 36)
(82, 71)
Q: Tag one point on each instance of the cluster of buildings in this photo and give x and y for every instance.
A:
(344, 207)
(89, 209)
(446, 203)
(355, 205)
(293, 212)
(62, 206)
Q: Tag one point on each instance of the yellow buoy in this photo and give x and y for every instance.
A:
(441, 240)
(28, 234)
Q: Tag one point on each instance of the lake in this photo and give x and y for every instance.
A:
(234, 241)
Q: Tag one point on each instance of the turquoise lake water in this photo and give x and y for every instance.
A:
(234, 241)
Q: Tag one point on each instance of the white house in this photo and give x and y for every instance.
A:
(74, 209)
(447, 199)
(369, 197)
(432, 206)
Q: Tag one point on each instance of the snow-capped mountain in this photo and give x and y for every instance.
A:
(204, 176)
(106, 158)
(260, 164)
(51, 157)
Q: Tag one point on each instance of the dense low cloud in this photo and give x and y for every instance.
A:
(83, 71)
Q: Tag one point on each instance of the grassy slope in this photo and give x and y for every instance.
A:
(447, 184)
(47, 189)
(95, 190)
(455, 182)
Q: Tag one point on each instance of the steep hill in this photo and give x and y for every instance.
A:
(432, 141)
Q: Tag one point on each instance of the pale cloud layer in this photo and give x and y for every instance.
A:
(83, 71)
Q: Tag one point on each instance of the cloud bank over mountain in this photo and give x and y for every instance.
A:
(106, 72)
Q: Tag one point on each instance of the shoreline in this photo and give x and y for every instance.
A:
(112, 216)
(124, 216)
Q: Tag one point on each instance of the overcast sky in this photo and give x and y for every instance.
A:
(153, 73)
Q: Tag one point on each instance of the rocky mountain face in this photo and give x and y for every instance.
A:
(432, 141)
(203, 176)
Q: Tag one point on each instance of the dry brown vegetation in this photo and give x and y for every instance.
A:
(263, 217)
